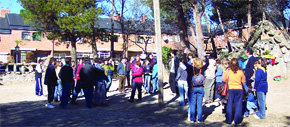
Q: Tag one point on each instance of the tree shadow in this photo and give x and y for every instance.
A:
(120, 112)
(208, 110)
(288, 120)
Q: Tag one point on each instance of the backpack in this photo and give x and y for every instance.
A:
(198, 79)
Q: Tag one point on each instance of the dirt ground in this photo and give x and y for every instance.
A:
(20, 107)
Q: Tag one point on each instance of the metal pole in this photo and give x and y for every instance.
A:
(159, 50)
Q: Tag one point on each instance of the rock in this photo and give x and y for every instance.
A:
(276, 52)
(284, 50)
(286, 58)
(279, 38)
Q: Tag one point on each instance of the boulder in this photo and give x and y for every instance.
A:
(284, 50)
(276, 52)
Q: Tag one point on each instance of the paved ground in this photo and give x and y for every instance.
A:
(20, 107)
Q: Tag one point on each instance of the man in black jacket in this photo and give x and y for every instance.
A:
(88, 78)
(66, 76)
(173, 70)
(51, 81)
(249, 71)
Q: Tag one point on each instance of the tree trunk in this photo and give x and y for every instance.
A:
(123, 29)
(94, 46)
(210, 36)
(249, 19)
(220, 20)
(182, 25)
(193, 34)
(112, 30)
(198, 29)
(52, 51)
(73, 50)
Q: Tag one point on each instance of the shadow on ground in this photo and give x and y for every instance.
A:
(119, 113)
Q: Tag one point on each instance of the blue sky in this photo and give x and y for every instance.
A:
(13, 5)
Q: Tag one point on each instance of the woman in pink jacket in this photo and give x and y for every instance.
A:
(137, 72)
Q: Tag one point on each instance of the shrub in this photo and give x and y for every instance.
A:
(30, 57)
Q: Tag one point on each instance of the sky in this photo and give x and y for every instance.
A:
(13, 5)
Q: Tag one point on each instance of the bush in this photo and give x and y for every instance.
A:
(166, 55)
(30, 57)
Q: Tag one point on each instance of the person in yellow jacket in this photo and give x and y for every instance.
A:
(109, 68)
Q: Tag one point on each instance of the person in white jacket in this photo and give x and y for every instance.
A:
(209, 81)
(38, 76)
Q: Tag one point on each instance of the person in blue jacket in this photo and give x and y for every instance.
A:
(261, 87)
(155, 84)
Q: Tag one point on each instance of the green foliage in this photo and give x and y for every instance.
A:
(166, 55)
(18, 42)
(267, 52)
(30, 57)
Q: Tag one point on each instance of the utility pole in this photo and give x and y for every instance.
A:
(112, 30)
(159, 50)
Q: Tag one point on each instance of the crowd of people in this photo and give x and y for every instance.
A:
(244, 80)
(194, 80)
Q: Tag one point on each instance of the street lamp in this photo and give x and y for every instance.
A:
(16, 52)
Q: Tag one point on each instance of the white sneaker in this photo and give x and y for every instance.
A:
(257, 117)
(48, 105)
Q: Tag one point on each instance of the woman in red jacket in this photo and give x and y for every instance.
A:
(137, 72)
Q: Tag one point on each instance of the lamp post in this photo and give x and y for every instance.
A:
(16, 53)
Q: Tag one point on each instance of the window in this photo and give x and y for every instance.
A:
(79, 40)
(149, 40)
(177, 38)
(140, 39)
(103, 54)
(59, 55)
(25, 35)
(115, 38)
(105, 38)
(36, 36)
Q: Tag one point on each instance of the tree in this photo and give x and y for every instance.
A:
(65, 19)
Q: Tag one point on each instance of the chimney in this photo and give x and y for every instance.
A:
(4, 11)
(117, 16)
(144, 18)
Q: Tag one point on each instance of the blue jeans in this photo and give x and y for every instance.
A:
(38, 88)
(261, 97)
(88, 91)
(195, 102)
(147, 83)
(136, 85)
(99, 96)
(58, 91)
(217, 96)
(235, 100)
(66, 90)
(108, 84)
(155, 85)
(183, 89)
(76, 90)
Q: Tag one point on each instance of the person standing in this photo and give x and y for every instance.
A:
(173, 69)
(218, 79)
(261, 88)
(137, 72)
(155, 84)
(51, 81)
(88, 78)
(249, 71)
(122, 72)
(196, 92)
(67, 81)
(147, 74)
(235, 78)
(78, 88)
(99, 96)
(181, 80)
(109, 68)
(209, 81)
(58, 88)
(38, 78)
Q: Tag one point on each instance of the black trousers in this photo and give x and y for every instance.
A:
(50, 90)
(172, 83)
(135, 86)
